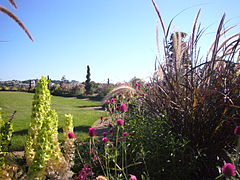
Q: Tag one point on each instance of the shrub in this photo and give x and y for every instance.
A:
(199, 99)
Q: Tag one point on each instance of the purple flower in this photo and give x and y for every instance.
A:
(125, 134)
(85, 172)
(123, 108)
(137, 84)
(132, 177)
(147, 84)
(105, 140)
(92, 132)
(237, 131)
(71, 135)
(120, 122)
(113, 99)
(229, 169)
(104, 134)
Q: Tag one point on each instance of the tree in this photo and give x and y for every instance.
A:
(88, 84)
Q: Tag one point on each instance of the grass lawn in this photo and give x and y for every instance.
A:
(22, 103)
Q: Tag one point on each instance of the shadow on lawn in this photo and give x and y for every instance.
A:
(60, 130)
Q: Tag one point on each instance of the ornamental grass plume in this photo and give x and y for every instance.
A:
(229, 170)
(199, 96)
(121, 88)
(15, 18)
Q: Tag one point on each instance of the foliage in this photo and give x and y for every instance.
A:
(43, 153)
(152, 142)
(21, 102)
(199, 99)
(88, 85)
(68, 89)
(68, 146)
(107, 155)
(40, 109)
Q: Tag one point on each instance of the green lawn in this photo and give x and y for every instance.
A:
(22, 103)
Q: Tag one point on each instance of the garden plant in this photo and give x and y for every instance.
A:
(182, 124)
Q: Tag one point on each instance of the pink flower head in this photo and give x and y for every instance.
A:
(125, 134)
(147, 84)
(104, 134)
(92, 132)
(237, 131)
(123, 108)
(71, 135)
(132, 177)
(120, 122)
(229, 169)
(137, 84)
(113, 99)
(105, 140)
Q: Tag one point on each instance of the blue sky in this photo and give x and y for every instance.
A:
(116, 38)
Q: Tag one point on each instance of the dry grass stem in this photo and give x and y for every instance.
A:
(119, 89)
(15, 18)
(13, 3)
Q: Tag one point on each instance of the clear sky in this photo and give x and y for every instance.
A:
(116, 38)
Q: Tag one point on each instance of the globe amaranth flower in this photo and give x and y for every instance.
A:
(85, 172)
(132, 177)
(229, 169)
(71, 135)
(113, 100)
(237, 131)
(105, 140)
(137, 84)
(120, 122)
(125, 134)
(123, 108)
(104, 134)
(92, 132)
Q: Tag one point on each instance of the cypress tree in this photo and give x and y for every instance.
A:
(88, 85)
